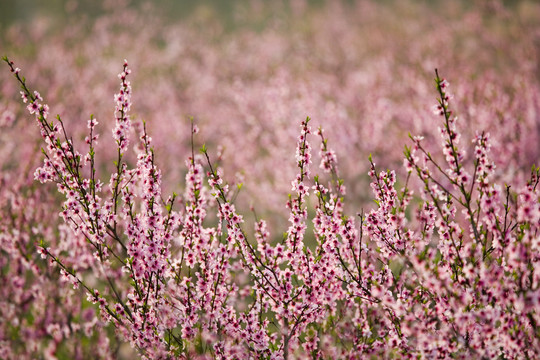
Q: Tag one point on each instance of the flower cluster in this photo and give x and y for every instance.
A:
(123, 104)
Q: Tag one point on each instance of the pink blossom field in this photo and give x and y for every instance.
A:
(270, 180)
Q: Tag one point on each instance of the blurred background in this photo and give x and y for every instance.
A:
(227, 11)
(249, 71)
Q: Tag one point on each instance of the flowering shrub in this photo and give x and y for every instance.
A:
(451, 273)
(442, 264)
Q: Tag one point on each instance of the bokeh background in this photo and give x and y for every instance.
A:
(250, 71)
